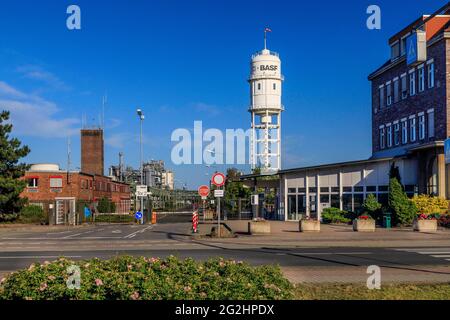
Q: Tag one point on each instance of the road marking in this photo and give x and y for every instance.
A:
(73, 235)
(131, 235)
(441, 256)
(434, 252)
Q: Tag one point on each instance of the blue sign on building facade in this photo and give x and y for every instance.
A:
(447, 151)
(411, 49)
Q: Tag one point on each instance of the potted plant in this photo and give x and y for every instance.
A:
(426, 222)
(309, 225)
(364, 223)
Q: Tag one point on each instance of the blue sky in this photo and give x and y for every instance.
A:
(183, 61)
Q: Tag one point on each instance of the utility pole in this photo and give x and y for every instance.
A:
(141, 120)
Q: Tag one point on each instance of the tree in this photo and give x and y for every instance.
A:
(394, 172)
(371, 204)
(11, 170)
(403, 209)
(106, 206)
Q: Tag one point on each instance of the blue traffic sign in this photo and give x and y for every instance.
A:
(447, 151)
(138, 215)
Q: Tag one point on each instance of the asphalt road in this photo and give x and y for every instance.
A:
(105, 241)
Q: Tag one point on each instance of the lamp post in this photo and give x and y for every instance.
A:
(141, 120)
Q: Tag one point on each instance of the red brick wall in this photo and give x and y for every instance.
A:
(92, 157)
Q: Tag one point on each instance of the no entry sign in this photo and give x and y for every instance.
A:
(203, 191)
(218, 179)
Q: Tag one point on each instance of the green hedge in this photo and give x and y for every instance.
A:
(32, 214)
(115, 218)
(335, 215)
(125, 278)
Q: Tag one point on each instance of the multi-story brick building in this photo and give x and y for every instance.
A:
(410, 110)
(410, 102)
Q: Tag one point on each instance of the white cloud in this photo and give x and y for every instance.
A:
(32, 115)
(37, 73)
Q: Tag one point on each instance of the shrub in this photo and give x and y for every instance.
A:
(106, 206)
(444, 221)
(334, 215)
(114, 218)
(402, 208)
(426, 204)
(126, 278)
(32, 214)
(371, 204)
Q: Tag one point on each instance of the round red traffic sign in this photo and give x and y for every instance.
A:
(203, 191)
(218, 179)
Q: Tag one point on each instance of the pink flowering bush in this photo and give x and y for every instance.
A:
(130, 278)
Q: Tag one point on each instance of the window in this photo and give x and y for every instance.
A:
(421, 78)
(389, 93)
(335, 201)
(431, 75)
(431, 123)
(396, 88)
(292, 190)
(371, 188)
(382, 138)
(421, 126)
(383, 188)
(324, 189)
(389, 135)
(301, 190)
(412, 83)
(412, 129)
(395, 50)
(313, 190)
(381, 91)
(404, 131)
(274, 86)
(334, 189)
(55, 182)
(396, 133)
(347, 189)
(324, 198)
(358, 189)
(33, 182)
(259, 86)
(403, 46)
(404, 87)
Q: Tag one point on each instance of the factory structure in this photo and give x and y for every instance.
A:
(410, 111)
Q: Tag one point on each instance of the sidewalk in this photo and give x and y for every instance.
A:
(287, 234)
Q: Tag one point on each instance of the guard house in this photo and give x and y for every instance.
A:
(410, 110)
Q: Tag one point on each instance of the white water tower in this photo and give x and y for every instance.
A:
(265, 108)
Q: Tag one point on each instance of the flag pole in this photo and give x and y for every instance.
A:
(265, 38)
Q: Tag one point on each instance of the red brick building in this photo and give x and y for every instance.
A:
(61, 192)
(410, 101)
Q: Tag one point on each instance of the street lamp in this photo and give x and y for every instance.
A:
(141, 164)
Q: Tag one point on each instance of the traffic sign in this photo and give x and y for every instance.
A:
(203, 191)
(141, 191)
(138, 215)
(218, 193)
(218, 179)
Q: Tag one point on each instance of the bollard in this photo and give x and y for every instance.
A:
(195, 222)
(153, 217)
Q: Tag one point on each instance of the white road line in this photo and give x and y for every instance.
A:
(434, 252)
(37, 257)
(329, 253)
(134, 233)
(441, 256)
(73, 235)
(421, 249)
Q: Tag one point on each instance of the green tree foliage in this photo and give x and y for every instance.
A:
(371, 204)
(234, 188)
(11, 170)
(106, 206)
(32, 214)
(403, 209)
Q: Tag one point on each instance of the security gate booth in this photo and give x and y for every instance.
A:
(65, 211)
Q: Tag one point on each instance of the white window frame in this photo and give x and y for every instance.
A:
(430, 67)
(396, 133)
(381, 97)
(35, 183)
(421, 125)
(389, 93)
(404, 122)
(382, 137)
(54, 185)
(404, 86)
(421, 77)
(403, 44)
(389, 135)
(412, 129)
(431, 128)
(412, 82)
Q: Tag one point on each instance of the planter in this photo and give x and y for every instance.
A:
(259, 227)
(425, 225)
(309, 226)
(364, 225)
